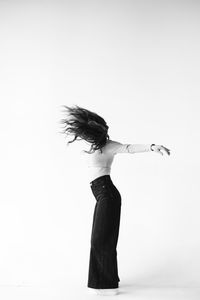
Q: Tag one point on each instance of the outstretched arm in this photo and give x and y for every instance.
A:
(117, 147)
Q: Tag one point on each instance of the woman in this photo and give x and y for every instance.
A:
(103, 276)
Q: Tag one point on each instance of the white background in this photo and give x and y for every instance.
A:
(136, 63)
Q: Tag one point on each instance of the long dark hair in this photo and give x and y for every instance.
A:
(85, 125)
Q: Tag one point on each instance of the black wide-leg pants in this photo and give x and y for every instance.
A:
(103, 268)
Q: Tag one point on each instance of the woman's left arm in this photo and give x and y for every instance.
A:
(117, 147)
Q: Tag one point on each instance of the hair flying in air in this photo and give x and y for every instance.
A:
(85, 125)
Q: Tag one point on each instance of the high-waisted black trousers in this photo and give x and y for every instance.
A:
(103, 268)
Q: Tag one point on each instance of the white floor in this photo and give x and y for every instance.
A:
(126, 291)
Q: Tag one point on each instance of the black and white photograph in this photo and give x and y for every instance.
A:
(100, 144)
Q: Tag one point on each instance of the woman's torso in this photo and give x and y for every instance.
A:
(98, 163)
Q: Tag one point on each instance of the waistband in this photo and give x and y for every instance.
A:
(100, 179)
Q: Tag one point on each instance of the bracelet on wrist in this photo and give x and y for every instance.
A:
(151, 147)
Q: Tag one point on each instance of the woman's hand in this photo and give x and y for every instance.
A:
(158, 148)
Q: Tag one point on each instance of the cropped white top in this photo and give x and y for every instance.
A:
(99, 164)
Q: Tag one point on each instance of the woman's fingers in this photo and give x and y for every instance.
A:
(166, 150)
(158, 148)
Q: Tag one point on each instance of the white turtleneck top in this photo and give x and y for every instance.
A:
(99, 164)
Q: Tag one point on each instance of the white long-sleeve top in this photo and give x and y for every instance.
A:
(99, 164)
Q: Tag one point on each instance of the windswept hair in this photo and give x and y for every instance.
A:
(85, 125)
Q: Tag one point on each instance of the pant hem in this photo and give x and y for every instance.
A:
(102, 286)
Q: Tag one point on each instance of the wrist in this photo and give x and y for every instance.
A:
(151, 147)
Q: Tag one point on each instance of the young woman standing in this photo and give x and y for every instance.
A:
(103, 278)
